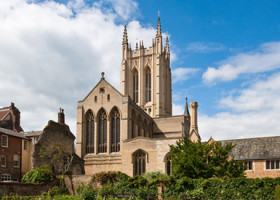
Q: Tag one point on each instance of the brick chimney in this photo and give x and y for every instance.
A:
(61, 118)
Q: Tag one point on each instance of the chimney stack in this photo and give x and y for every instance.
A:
(194, 126)
(61, 118)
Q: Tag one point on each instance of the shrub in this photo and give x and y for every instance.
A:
(277, 192)
(87, 192)
(104, 178)
(56, 190)
(41, 174)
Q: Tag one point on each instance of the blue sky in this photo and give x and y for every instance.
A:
(225, 55)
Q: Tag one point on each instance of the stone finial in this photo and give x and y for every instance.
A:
(125, 40)
(102, 75)
(61, 117)
(167, 45)
(186, 112)
(158, 26)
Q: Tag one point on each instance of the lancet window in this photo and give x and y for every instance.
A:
(102, 132)
(148, 85)
(135, 86)
(168, 165)
(89, 132)
(115, 131)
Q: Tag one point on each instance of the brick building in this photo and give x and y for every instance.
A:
(11, 154)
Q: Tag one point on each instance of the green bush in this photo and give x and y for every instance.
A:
(56, 190)
(234, 188)
(277, 192)
(87, 192)
(41, 174)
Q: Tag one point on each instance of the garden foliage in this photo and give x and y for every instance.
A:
(41, 174)
(202, 160)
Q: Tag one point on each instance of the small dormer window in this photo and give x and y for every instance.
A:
(95, 99)
(108, 97)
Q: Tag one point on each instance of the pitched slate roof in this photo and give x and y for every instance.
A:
(12, 133)
(255, 148)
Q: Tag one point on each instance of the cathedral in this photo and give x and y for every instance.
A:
(130, 130)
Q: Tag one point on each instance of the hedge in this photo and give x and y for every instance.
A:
(234, 188)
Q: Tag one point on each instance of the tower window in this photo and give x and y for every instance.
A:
(95, 99)
(89, 132)
(102, 132)
(115, 131)
(135, 86)
(148, 85)
(108, 97)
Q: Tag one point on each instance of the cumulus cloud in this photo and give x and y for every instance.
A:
(183, 74)
(205, 47)
(52, 54)
(265, 58)
(253, 112)
(177, 109)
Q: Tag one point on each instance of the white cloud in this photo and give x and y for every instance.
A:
(182, 74)
(254, 113)
(205, 47)
(52, 54)
(265, 58)
(125, 8)
(177, 109)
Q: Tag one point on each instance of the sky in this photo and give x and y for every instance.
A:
(224, 54)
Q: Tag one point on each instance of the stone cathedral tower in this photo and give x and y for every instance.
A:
(146, 75)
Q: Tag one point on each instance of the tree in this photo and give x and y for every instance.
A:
(202, 160)
(59, 161)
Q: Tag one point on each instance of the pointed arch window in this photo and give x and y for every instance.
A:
(89, 132)
(115, 131)
(102, 132)
(139, 165)
(148, 85)
(168, 165)
(135, 86)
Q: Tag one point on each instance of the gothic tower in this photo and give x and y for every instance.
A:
(146, 75)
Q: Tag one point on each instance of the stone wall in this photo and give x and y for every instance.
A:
(73, 182)
(259, 170)
(23, 189)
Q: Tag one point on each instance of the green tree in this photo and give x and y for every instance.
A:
(202, 160)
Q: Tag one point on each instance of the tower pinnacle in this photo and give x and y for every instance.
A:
(158, 26)
(167, 45)
(186, 112)
(125, 41)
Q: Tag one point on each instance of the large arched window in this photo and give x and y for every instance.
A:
(139, 164)
(115, 131)
(89, 132)
(102, 132)
(168, 164)
(148, 85)
(135, 86)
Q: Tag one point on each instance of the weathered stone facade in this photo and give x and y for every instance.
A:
(131, 130)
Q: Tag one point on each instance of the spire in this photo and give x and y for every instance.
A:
(186, 112)
(158, 26)
(167, 45)
(125, 41)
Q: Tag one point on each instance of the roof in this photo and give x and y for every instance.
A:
(102, 79)
(255, 148)
(3, 113)
(33, 133)
(12, 133)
